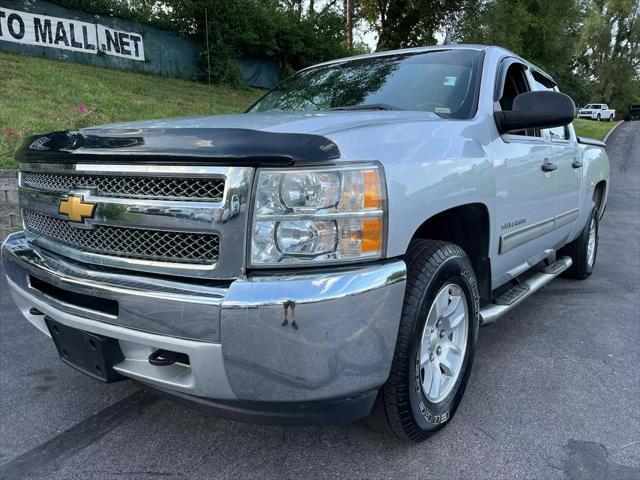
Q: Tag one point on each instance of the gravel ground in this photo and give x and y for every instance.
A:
(554, 394)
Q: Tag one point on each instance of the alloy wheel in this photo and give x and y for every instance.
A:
(443, 343)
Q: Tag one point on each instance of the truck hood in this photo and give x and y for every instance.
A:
(318, 123)
(274, 138)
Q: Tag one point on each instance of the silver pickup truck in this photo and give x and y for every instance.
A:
(329, 254)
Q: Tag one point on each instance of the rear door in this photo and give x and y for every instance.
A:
(568, 173)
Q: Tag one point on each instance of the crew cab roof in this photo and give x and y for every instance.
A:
(432, 48)
(401, 51)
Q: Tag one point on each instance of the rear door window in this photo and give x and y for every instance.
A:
(557, 133)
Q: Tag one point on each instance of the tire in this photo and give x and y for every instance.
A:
(579, 251)
(434, 269)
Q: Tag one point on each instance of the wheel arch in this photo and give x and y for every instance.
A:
(599, 191)
(467, 226)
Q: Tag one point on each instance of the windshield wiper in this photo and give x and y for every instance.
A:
(371, 106)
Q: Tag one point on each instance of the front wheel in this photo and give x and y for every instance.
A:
(436, 341)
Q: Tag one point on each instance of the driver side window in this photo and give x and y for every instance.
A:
(515, 83)
(541, 83)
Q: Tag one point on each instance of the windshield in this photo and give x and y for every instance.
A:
(442, 82)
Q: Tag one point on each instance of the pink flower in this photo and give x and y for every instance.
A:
(11, 133)
(81, 107)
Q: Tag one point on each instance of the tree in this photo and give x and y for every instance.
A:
(283, 30)
(609, 50)
(348, 7)
(542, 31)
(545, 32)
(590, 47)
(150, 12)
(273, 29)
(292, 5)
(408, 23)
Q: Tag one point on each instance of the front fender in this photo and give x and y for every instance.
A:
(430, 167)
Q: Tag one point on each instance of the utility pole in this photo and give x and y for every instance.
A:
(349, 8)
(450, 32)
(206, 29)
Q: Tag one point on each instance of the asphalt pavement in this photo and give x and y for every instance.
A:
(555, 393)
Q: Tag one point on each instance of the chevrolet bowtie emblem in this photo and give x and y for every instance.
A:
(76, 209)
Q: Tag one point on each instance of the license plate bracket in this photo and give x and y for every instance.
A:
(92, 354)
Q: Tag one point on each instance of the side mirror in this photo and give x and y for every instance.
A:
(543, 109)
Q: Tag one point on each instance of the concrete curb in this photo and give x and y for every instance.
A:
(606, 137)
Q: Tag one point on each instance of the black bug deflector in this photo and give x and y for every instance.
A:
(210, 146)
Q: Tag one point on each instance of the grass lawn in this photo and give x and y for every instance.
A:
(591, 128)
(40, 95)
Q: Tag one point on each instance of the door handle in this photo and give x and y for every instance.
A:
(577, 163)
(548, 166)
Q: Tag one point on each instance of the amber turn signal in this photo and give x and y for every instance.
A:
(372, 235)
(372, 195)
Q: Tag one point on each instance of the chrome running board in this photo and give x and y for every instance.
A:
(523, 290)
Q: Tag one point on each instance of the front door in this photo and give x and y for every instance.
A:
(525, 191)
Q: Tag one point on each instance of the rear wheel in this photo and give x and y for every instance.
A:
(436, 342)
(584, 249)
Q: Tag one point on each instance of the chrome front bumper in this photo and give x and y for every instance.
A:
(234, 334)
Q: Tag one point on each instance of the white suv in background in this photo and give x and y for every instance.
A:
(597, 111)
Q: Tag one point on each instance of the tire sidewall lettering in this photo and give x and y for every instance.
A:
(425, 412)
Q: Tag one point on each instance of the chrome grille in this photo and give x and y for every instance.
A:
(156, 187)
(160, 245)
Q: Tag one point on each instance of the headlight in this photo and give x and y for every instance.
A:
(318, 215)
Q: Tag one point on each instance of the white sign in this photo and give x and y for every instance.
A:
(120, 44)
(67, 34)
